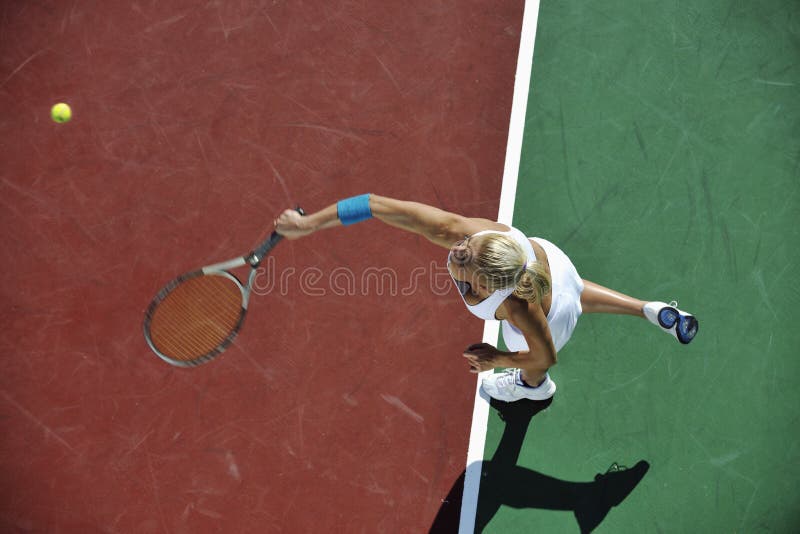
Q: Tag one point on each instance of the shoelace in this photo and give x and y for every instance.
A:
(508, 380)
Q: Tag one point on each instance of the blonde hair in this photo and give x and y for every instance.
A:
(502, 263)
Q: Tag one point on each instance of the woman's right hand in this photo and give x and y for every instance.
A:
(291, 225)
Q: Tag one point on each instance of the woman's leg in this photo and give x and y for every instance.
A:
(681, 325)
(598, 299)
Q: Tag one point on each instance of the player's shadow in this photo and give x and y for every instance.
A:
(504, 482)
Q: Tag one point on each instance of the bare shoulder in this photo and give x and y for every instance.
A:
(520, 312)
(455, 227)
(473, 225)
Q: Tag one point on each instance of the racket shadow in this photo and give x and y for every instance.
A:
(503, 482)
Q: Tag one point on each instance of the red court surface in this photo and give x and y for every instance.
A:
(194, 125)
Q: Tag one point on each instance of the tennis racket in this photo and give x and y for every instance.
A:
(196, 316)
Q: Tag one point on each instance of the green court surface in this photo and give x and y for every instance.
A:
(662, 153)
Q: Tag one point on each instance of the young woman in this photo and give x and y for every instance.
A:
(528, 284)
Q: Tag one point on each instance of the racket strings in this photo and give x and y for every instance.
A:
(196, 317)
(197, 320)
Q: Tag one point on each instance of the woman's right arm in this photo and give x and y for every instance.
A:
(440, 227)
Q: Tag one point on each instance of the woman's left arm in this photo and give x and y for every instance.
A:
(530, 319)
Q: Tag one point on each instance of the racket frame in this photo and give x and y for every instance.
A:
(253, 259)
(218, 269)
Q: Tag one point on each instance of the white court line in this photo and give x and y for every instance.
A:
(491, 329)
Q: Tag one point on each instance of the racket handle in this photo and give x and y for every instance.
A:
(259, 253)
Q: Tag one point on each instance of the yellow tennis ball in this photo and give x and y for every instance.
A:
(61, 112)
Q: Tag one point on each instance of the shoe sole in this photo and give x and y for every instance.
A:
(517, 399)
(683, 327)
(536, 397)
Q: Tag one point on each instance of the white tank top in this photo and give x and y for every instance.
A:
(487, 308)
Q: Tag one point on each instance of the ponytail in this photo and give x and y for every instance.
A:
(534, 282)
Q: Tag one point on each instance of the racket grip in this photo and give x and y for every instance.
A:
(255, 257)
(259, 253)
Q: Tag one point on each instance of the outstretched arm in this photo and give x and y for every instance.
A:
(440, 227)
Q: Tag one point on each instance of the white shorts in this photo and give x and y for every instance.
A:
(565, 307)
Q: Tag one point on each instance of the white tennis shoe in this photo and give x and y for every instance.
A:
(507, 386)
(681, 325)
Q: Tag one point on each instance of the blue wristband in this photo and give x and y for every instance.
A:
(354, 209)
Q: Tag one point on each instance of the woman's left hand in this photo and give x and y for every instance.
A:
(482, 357)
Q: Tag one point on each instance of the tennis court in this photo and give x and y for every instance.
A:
(656, 144)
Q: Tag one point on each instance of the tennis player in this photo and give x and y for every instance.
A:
(528, 284)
